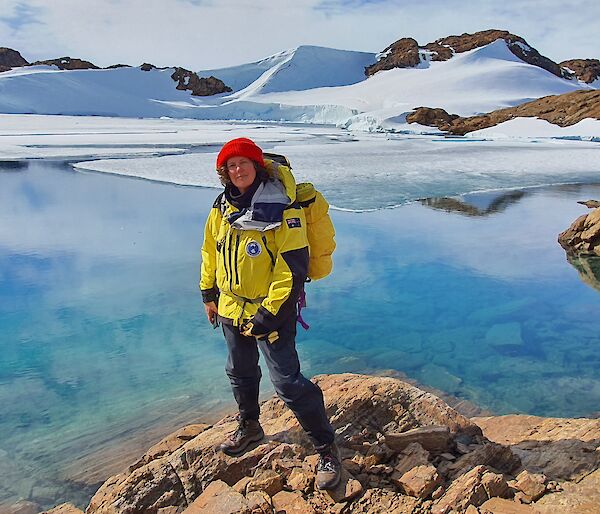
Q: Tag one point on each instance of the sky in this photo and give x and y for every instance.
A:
(205, 34)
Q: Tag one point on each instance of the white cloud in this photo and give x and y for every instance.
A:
(202, 34)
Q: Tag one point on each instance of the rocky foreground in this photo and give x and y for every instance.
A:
(404, 451)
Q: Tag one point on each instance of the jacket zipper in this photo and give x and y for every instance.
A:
(229, 257)
(264, 239)
(237, 248)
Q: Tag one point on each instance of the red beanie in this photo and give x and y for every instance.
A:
(240, 147)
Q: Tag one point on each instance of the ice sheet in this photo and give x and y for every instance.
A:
(382, 172)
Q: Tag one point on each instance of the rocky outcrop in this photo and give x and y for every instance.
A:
(586, 70)
(404, 451)
(562, 110)
(431, 117)
(582, 238)
(148, 67)
(189, 81)
(67, 63)
(581, 242)
(10, 58)
(406, 52)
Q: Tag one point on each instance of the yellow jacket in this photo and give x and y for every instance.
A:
(255, 260)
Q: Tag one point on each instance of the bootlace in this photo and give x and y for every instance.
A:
(327, 463)
(240, 431)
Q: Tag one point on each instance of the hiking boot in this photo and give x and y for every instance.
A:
(248, 431)
(329, 468)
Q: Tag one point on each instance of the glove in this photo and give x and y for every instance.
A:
(249, 329)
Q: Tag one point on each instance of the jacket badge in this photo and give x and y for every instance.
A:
(253, 249)
(293, 222)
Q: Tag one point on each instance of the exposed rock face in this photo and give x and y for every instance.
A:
(189, 81)
(586, 70)
(10, 58)
(184, 471)
(561, 449)
(405, 52)
(461, 471)
(67, 63)
(431, 117)
(563, 110)
(582, 238)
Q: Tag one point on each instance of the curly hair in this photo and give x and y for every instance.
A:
(261, 172)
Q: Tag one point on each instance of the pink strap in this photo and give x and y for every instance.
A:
(301, 305)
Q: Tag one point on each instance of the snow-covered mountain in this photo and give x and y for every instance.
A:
(307, 84)
(305, 67)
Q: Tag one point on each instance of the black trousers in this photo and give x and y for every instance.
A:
(302, 396)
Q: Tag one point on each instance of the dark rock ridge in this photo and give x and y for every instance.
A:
(67, 63)
(405, 52)
(562, 110)
(586, 70)
(148, 67)
(199, 86)
(404, 451)
(10, 58)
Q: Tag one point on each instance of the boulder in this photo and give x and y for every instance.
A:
(292, 503)
(499, 457)
(532, 485)
(219, 498)
(431, 117)
(413, 455)
(383, 501)
(472, 488)
(265, 480)
(420, 481)
(189, 81)
(433, 438)
(582, 238)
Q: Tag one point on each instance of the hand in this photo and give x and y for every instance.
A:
(211, 311)
(247, 329)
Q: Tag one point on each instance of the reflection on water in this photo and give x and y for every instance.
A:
(588, 269)
(105, 348)
(480, 204)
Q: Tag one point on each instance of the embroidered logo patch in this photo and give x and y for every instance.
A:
(253, 249)
(293, 222)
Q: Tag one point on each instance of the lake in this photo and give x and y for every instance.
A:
(105, 347)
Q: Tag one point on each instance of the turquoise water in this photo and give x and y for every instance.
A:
(105, 349)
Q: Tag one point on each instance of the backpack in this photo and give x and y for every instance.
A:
(319, 227)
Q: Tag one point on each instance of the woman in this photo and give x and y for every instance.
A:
(254, 264)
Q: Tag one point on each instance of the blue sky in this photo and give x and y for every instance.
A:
(203, 34)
